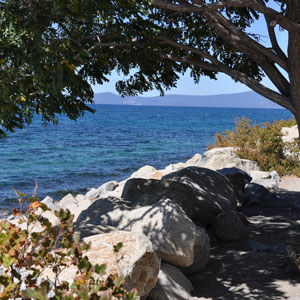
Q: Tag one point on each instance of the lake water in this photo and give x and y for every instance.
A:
(109, 145)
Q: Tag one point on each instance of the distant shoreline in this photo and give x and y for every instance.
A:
(150, 105)
(238, 100)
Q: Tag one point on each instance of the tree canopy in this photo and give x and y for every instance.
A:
(51, 51)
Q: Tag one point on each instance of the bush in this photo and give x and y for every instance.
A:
(262, 144)
(26, 253)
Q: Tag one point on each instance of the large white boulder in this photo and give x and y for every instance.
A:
(220, 158)
(289, 134)
(136, 261)
(145, 172)
(171, 232)
(194, 161)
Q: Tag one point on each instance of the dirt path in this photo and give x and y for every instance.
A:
(258, 269)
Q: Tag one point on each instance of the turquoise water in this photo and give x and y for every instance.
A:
(109, 145)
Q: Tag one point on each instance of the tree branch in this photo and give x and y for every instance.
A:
(274, 41)
(200, 6)
(272, 72)
(236, 75)
(229, 32)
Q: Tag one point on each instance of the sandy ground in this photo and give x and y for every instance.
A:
(290, 183)
(259, 268)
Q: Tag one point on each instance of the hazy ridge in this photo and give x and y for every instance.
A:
(238, 100)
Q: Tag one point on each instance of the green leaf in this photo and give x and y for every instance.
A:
(119, 281)
(32, 293)
(7, 260)
(118, 247)
(100, 269)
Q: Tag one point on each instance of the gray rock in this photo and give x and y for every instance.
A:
(274, 175)
(103, 216)
(239, 179)
(270, 184)
(49, 214)
(171, 285)
(213, 192)
(229, 227)
(102, 191)
(202, 253)
(219, 158)
(145, 192)
(136, 261)
(69, 201)
(256, 194)
(194, 161)
(171, 232)
(256, 175)
(110, 186)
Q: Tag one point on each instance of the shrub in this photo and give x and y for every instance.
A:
(262, 144)
(26, 253)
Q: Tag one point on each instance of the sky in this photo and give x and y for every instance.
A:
(206, 86)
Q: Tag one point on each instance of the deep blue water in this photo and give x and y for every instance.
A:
(109, 145)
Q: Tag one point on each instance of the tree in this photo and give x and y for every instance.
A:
(49, 56)
(156, 39)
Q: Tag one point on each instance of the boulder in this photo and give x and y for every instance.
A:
(256, 194)
(201, 253)
(101, 191)
(238, 178)
(220, 151)
(68, 202)
(274, 175)
(145, 192)
(289, 134)
(228, 227)
(256, 175)
(145, 172)
(171, 285)
(220, 158)
(269, 184)
(49, 214)
(171, 232)
(173, 167)
(194, 161)
(103, 216)
(213, 192)
(136, 261)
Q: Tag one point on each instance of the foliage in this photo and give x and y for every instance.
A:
(262, 144)
(28, 255)
(52, 51)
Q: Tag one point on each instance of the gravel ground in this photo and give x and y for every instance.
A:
(259, 268)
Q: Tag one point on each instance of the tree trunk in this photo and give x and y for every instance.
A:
(293, 13)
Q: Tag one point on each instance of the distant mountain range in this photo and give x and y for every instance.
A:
(239, 100)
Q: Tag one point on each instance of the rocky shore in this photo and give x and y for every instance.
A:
(169, 220)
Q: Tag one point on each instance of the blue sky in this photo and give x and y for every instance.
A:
(224, 84)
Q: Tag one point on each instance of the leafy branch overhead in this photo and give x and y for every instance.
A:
(51, 51)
